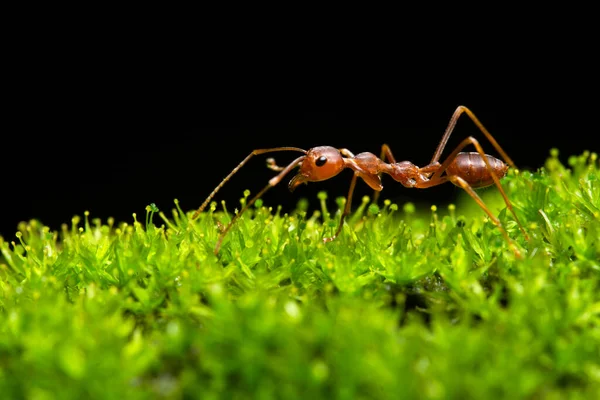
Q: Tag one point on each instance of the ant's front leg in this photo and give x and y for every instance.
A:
(346, 210)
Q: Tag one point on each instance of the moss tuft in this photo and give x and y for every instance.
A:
(404, 303)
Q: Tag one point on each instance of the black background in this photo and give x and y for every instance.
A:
(111, 129)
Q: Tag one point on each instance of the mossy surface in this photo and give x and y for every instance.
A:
(404, 304)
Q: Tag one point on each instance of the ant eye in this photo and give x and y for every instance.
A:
(321, 161)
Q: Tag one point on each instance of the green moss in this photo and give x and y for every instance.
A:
(404, 304)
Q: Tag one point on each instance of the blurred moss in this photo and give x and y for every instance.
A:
(404, 304)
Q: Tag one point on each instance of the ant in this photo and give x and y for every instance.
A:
(468, 170)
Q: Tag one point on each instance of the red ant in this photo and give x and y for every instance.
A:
(467, 170)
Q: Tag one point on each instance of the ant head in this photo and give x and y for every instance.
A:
(319, 164)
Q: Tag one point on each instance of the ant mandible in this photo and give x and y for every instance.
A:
(468, 170)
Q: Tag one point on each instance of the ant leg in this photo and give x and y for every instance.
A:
(386, 154)
(457, 113)
(437, 179)
(346, 210)
(457, 180)
(272, 182)
(240, 165)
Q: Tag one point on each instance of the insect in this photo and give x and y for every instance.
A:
(467, 170)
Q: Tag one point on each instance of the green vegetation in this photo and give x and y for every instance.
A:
(404, 304)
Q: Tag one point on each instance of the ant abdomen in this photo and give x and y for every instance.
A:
(471, 167)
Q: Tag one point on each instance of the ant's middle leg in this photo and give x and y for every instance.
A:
(386, 156)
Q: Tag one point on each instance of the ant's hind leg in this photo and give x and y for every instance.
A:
(437, 178)
(452, 124)
(457, 180)
(475, 143)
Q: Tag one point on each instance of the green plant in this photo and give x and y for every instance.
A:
(406, 303)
